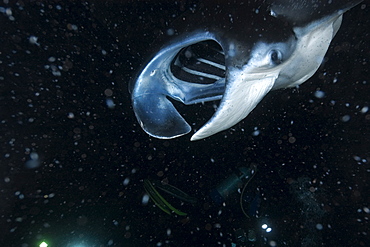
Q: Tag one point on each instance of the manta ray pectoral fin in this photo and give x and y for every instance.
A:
(244, 90)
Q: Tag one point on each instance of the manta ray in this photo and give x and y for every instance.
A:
(235, 52)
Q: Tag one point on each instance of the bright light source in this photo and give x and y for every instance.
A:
(43, 244)
(264, 226)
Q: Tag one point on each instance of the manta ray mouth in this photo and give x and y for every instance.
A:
(202, 63)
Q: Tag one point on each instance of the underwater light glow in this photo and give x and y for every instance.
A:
(43, 244)
(266, 228)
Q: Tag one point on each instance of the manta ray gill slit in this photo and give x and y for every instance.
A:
(202, 63)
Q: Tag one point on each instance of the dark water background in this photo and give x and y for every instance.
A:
(65, 154)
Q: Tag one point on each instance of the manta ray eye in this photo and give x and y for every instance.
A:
(276, 57)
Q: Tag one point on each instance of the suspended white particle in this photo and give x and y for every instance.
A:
(364, 109)
(145, 199)
(126, 181)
